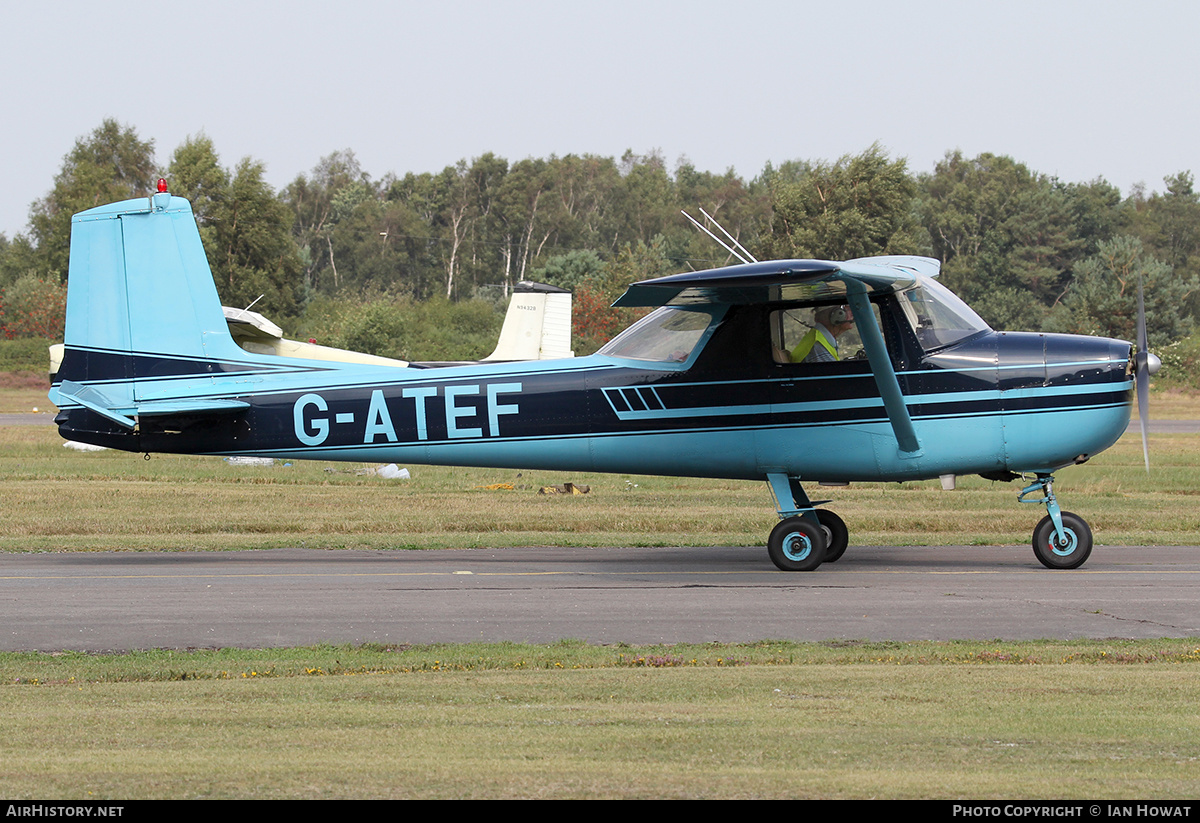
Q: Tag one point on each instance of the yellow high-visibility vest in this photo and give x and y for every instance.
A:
(809, 340)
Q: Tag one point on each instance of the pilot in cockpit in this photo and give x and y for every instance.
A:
(820, 344)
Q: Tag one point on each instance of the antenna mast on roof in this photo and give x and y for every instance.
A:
(737, 249)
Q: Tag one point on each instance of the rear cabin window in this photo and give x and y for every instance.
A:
(666, 335)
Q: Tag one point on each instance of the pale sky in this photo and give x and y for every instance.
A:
(1078, 90)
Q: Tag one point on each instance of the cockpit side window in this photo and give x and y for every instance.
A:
(816, 334)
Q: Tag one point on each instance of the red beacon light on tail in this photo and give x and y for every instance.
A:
(160, 201)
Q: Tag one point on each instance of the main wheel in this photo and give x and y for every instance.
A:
(796, 545)
(1069, 555)
(836, 535)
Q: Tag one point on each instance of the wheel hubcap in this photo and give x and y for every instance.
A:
(796, 546)
(1067, 548)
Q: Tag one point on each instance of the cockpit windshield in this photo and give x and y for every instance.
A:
(666, 335)
(938, 316)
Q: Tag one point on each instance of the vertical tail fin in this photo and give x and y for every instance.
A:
(141, 304)
(537, 325)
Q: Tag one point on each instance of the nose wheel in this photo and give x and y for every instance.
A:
(1062, 540)
(1068, 551)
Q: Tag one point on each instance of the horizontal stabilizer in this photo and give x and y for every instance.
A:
(250, 324)
(93, 398)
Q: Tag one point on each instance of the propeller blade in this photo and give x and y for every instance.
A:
(1142, 375)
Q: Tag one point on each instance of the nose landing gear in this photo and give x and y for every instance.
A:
(1062, 540)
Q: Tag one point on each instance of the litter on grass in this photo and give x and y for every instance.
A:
(250, 461)
(83, 447)
(565, 488)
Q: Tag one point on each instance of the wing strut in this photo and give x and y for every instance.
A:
(881, 367)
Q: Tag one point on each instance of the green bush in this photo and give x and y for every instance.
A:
(378, 327)
(1180, 364)
(25, 354)
(33, 306)
(435, 329)
(438, 329)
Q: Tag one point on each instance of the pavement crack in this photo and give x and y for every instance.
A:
(1142, 621)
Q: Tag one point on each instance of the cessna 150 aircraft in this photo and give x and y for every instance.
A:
(706, 385)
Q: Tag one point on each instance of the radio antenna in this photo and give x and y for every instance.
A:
(720, 242)
(732, 239)
(737, 249)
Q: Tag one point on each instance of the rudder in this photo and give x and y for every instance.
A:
(141, 305)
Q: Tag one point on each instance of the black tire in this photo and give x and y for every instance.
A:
(796, 545)
(1053, 556)
(837, 537)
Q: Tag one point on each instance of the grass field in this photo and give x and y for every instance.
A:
(952, 720)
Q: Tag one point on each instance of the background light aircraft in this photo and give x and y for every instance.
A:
(703, 386)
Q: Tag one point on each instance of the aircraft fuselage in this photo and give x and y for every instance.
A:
(999, 401)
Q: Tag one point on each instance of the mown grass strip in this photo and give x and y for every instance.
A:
(160, 665)
(59, 500)
(1048, 719)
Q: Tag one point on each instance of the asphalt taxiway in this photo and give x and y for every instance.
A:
(136, 600)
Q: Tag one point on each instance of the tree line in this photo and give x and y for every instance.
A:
(358, 259)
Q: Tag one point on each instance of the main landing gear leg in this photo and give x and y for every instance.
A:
(1062, 540)
(805, 536)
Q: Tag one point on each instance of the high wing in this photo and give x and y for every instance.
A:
(777, 281)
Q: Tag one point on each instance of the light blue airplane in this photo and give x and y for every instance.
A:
(789, 371)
